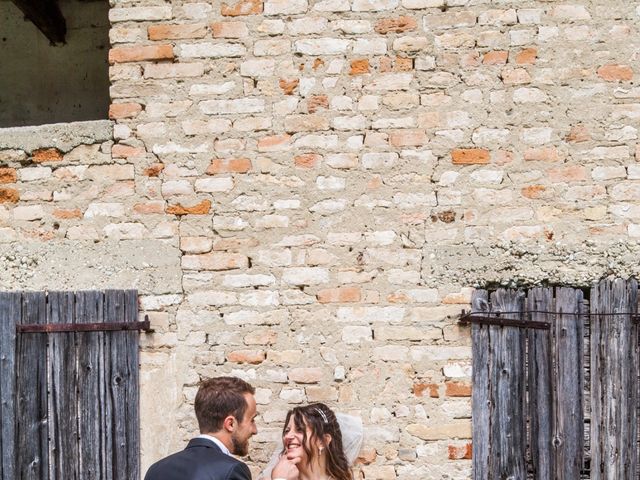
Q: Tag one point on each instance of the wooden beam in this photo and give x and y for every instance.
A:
(46, 15)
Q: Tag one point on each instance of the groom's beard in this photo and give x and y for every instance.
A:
(240, 448)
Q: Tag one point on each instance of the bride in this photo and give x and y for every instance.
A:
(317, 445)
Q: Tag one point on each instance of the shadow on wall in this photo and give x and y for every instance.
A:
(44, 83)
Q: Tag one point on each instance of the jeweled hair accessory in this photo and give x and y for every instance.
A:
(322, 414)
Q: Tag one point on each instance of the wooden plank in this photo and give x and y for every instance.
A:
(31, 393)
(10, 312)
(119, 380)
(132, 385)
(633, 384)
(63, 411)
(480, 399)
(541, 394)
(90, 348)
(613, 381)
(586, 395)
(628, 344)
(507, 377)
(569, 420)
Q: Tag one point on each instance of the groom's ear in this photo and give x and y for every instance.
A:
(229, 423)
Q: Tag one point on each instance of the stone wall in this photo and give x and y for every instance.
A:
(305, 192)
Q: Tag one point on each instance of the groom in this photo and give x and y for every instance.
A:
(226, 410)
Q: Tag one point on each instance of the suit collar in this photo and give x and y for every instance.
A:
(223, 448)
(203, 442)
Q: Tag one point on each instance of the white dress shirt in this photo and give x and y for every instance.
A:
(222, 446)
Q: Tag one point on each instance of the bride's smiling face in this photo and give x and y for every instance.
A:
(294, 439)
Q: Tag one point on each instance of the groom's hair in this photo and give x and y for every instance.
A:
(219, 397)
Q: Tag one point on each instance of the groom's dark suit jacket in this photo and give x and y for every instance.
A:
(201, 460)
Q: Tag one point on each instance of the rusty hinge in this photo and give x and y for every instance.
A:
(85, 327)
(496, 318)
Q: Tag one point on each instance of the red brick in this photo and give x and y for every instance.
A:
(460, 452)
(395, 25)
(615, 73)
(386, 65)
(289, 86)
(396, 64)
(515, 76)
(542, 154)
(457, 389)
(398, 297)
(140, 53)
(8, 175)
(126, 151)
(359, 67)
(149, 208)
(201, 208)
(64, 214)
(40, 234)
(9, 195)
(616, 230)
(229, 29)
(274, 142)
(497, 57)
(242, 7)
(533, 191)
(124, 110)
(527, 56)
(470, 156)
(340, 295)
(229, 165)
(154, 169)
(420, 388)
(573, 173)
(46, 155)
(253, 357)
(317, 63)
(367, 456)
(407, 138)
(403, 64)
(316, 102)
(176, 32)
(307, 160)
(577, 134)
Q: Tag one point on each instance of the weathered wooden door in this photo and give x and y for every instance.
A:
(69, 385)
(555, 383)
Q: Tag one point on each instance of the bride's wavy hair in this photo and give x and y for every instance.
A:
(321, 421)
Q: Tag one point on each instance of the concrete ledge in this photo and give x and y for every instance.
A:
(63, 136)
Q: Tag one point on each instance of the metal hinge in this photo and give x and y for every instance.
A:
(496, 318)
(85, 327)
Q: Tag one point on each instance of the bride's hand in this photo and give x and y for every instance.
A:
(286, 468)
